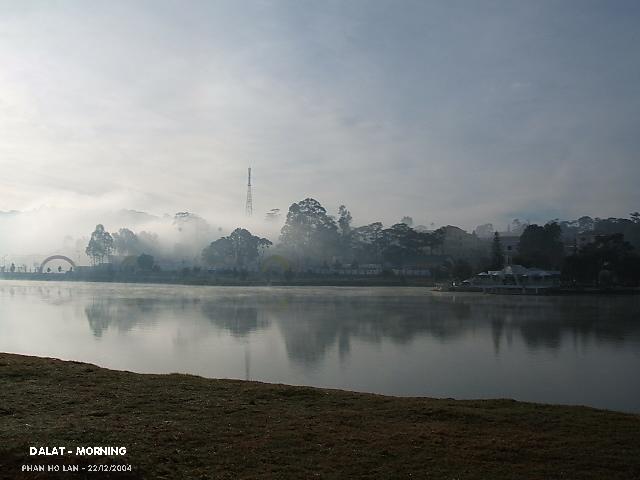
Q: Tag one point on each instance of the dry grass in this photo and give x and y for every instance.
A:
(181, 426)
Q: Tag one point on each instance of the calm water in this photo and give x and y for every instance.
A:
(401, 341)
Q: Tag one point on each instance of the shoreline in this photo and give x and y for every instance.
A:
(322, 282)
(184, 426)
(228, 282)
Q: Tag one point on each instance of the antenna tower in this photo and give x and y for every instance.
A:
(249, 206)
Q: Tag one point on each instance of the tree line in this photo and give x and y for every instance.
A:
(311, 237)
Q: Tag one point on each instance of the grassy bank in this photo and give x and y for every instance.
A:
(181, 426)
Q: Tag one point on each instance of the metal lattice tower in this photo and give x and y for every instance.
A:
(249, 206)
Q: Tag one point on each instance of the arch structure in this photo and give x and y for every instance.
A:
(56, 257)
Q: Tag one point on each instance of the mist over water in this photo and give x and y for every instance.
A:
(30, 236)
(399, 341)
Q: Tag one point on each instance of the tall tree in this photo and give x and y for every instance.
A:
(309, 232)
(219, 253)
(239, 250)
(400, 243)
(344, 224)
(433, 240)
(246, 247)
(126, 242)
(344, 220)
(541, 246)
(100, 245)
(366, 243)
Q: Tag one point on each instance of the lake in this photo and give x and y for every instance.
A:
(400, 341)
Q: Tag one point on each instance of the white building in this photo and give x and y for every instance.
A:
(518, 275)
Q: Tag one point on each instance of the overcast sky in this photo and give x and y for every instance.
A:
(452, 112)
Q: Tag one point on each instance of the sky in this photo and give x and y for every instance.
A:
(456, 112)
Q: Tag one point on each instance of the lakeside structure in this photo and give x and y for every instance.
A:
(519, 276)
(513, 279)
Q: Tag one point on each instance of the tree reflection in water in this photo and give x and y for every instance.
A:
(401, 341)
(312, 324)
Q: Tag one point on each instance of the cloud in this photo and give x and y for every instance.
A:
(457, 114)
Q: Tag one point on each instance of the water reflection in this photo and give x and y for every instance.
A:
(312, 325)
(341, 337)
(121, 313)
(234, 316)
